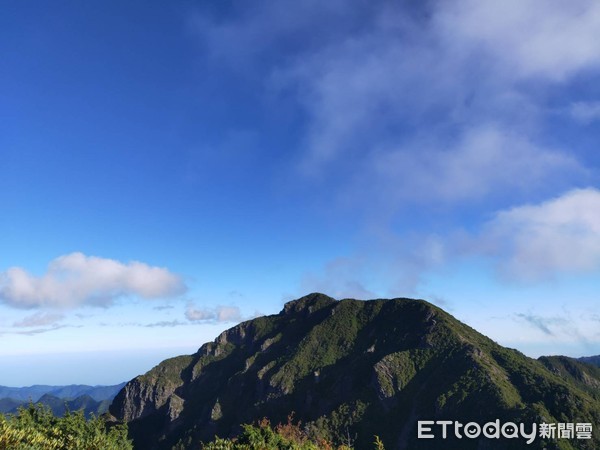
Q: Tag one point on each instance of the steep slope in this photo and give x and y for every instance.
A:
(351, 368)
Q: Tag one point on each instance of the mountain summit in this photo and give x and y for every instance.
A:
(350, 370)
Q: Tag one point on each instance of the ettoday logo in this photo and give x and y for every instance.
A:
(429, 429)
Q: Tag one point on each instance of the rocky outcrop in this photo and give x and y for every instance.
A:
(147, 394)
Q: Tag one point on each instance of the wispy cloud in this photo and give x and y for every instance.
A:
(217, 314)
(340, 278)
(407, 104)
(585, 112)
(440, 301)
(411, 107)
(549, 40)
(250, 32)
(165, 324)
(544, 324)
(158, 324)
(39, 319)
(76, 279)
(36, 331)
(481, 162)
(562, 327)
(434, 117)
(163, 307)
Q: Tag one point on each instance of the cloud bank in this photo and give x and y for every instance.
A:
(76, 279)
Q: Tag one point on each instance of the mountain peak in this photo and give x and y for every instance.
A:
(309, 303)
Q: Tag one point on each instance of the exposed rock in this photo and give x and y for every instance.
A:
(174, 407)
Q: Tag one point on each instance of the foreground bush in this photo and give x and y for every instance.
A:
(36, 428)
(283, 437)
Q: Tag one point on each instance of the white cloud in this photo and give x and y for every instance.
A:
(551, 39)
(561, 235)
(217, 314)
(76, 279)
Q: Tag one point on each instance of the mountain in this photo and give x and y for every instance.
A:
(71, 391)
(92, 399)
(84, 402)
(350, 370)
(583, 375)
(9, 405)
(594, 360)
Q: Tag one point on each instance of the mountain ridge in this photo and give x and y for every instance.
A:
(362, 367)
(68, 391)
(92, 399)
(594, 360)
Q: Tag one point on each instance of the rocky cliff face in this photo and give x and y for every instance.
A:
(349, 367)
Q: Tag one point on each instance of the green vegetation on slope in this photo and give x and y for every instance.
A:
(36, 428)
(585, 375)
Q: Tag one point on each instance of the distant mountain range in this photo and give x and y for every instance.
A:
(350, 370)
(594, 360)
(92, 399)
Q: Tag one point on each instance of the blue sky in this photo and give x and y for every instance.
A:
(171, 168)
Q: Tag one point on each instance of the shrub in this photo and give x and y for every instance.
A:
(289, 436)
(36, 428)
